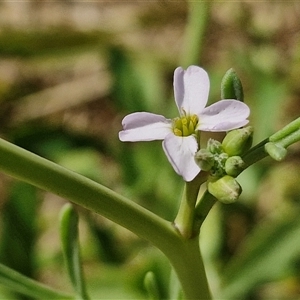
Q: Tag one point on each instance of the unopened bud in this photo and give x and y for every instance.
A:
(231, 86)
(204, 159)
(226, 189)
(214, 146)
(276, 151)
(237, 141)
(234, 165)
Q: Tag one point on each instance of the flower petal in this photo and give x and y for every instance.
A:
(223, 116)
(191, 88)
(143, 126)
(180, 152)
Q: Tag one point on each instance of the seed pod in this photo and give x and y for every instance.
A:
(276, 151)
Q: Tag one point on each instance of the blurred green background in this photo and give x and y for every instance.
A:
(70, 71)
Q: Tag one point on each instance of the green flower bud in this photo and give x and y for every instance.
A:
(204, 159)
(226, 189)
(237, 141)
(214, 146)
(234, 165)
(276, 151)
(231, 86)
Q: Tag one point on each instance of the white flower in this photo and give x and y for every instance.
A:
(191, 88)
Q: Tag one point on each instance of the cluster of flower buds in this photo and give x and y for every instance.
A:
(224, 163)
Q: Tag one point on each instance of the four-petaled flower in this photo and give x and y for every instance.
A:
(191, 88)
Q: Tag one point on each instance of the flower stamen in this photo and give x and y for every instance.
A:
(185, 125)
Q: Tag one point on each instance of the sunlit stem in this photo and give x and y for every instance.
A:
(42, 173)
(285, 131)
(290, 139)
(184, 221)
(285, 137)
(193, 275)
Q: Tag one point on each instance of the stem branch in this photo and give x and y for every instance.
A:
(184, 221)
(183, 254)
(42, 173)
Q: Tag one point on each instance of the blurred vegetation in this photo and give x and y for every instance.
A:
(70, 71)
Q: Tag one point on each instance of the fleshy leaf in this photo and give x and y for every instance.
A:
(70, 247)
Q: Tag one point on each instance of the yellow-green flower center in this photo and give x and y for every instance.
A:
(185, 125)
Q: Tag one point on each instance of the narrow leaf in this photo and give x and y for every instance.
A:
(151, 286)
(71, 251)
(22, 284)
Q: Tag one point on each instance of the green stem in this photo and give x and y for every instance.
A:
(42, 173)
(202, 209)
(255, 154)
(290, 139)
(26, 286)
(184, 221)
(285, 131)
(285, 137)
(192, 275)
(195, 32)
(184, 255)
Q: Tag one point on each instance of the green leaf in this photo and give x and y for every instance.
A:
(70, 246)
(17, 282)
(151, 286)
(19, 228)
